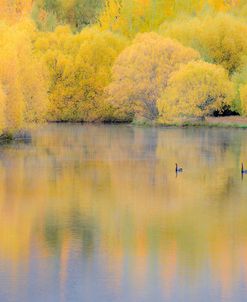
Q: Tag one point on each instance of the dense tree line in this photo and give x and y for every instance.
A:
(78, 13)
(120, 60)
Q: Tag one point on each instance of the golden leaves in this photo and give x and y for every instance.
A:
(220, 39)
(141, 72)
(13, 10)
(132, 16)
(243, 98)
(195, 90)
(79, 67)
(22, 78)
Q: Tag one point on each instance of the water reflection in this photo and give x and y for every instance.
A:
(96, 213)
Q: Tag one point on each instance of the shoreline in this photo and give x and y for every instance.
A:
(21, 136)
(219, 122)
(237, 122)
(209, 122)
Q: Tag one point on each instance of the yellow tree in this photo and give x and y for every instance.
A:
(220, 39)
(109, 18)
(76, 13)
(223, 5)
(11, 10)
(2, 107)
(14, 100)
(21, 76)
(132, 16)
(80, 69)
(243, 98)
(239, 79)
(197, 89)
(141, 72)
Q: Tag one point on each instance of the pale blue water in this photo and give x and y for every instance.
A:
(96, 213)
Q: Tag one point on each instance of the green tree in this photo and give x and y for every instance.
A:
(77, 13)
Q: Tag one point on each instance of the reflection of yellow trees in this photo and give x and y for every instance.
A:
(85, 187)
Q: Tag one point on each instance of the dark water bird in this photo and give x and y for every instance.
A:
(178, 169)
(242, 169)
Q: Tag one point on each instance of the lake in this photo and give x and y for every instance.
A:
(97, 213)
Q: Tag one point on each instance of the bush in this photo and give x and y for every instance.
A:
(196, 90)
(243, 98)
(141, 73)
(23, 85)
(80, 69)
(220, 39)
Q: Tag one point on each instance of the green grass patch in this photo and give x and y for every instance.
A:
(204, 124)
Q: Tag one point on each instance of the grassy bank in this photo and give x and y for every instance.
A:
(224, 122)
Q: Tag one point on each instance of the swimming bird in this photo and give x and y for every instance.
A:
(179, 170)
(242, 169)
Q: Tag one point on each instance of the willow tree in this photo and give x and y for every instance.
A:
(132, 16)
(197, 89)
(243, 99)
(79, 70)
(15, 9)
(220, 39)
(22, 78)
(239, 79)
(77, 13)
(141, 73)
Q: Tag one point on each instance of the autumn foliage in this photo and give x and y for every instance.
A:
(220, 39)
(78, 13)
(133, 16)
(112, 60)
(13, 10)
(23, 82)
(243, 98)
(141, 73)
(80, 69)
(196, 90)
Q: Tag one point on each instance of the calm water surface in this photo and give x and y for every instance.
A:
(96, 213)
